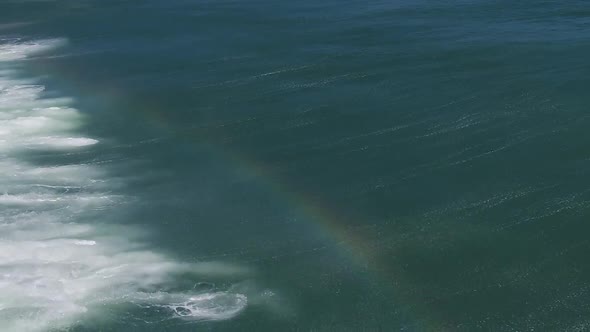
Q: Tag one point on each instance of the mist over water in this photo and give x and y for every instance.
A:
(60, 258)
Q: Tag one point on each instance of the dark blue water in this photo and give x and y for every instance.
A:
(294, 166)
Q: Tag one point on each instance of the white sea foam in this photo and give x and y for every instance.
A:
(56, 269)
(15, 49)
(213, 306)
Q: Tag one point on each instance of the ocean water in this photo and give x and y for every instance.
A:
(197, 165)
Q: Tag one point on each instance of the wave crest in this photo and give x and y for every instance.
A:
(54, 268)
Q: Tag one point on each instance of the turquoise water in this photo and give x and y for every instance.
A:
(294, 166)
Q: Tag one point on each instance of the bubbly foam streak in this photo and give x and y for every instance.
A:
(54, 269)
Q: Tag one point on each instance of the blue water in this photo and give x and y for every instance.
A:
(195, 165)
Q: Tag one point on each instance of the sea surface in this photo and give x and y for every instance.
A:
(270, 165)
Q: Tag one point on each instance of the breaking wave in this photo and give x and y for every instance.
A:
(59, 261)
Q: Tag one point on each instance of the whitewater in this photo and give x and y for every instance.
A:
(61, 264)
